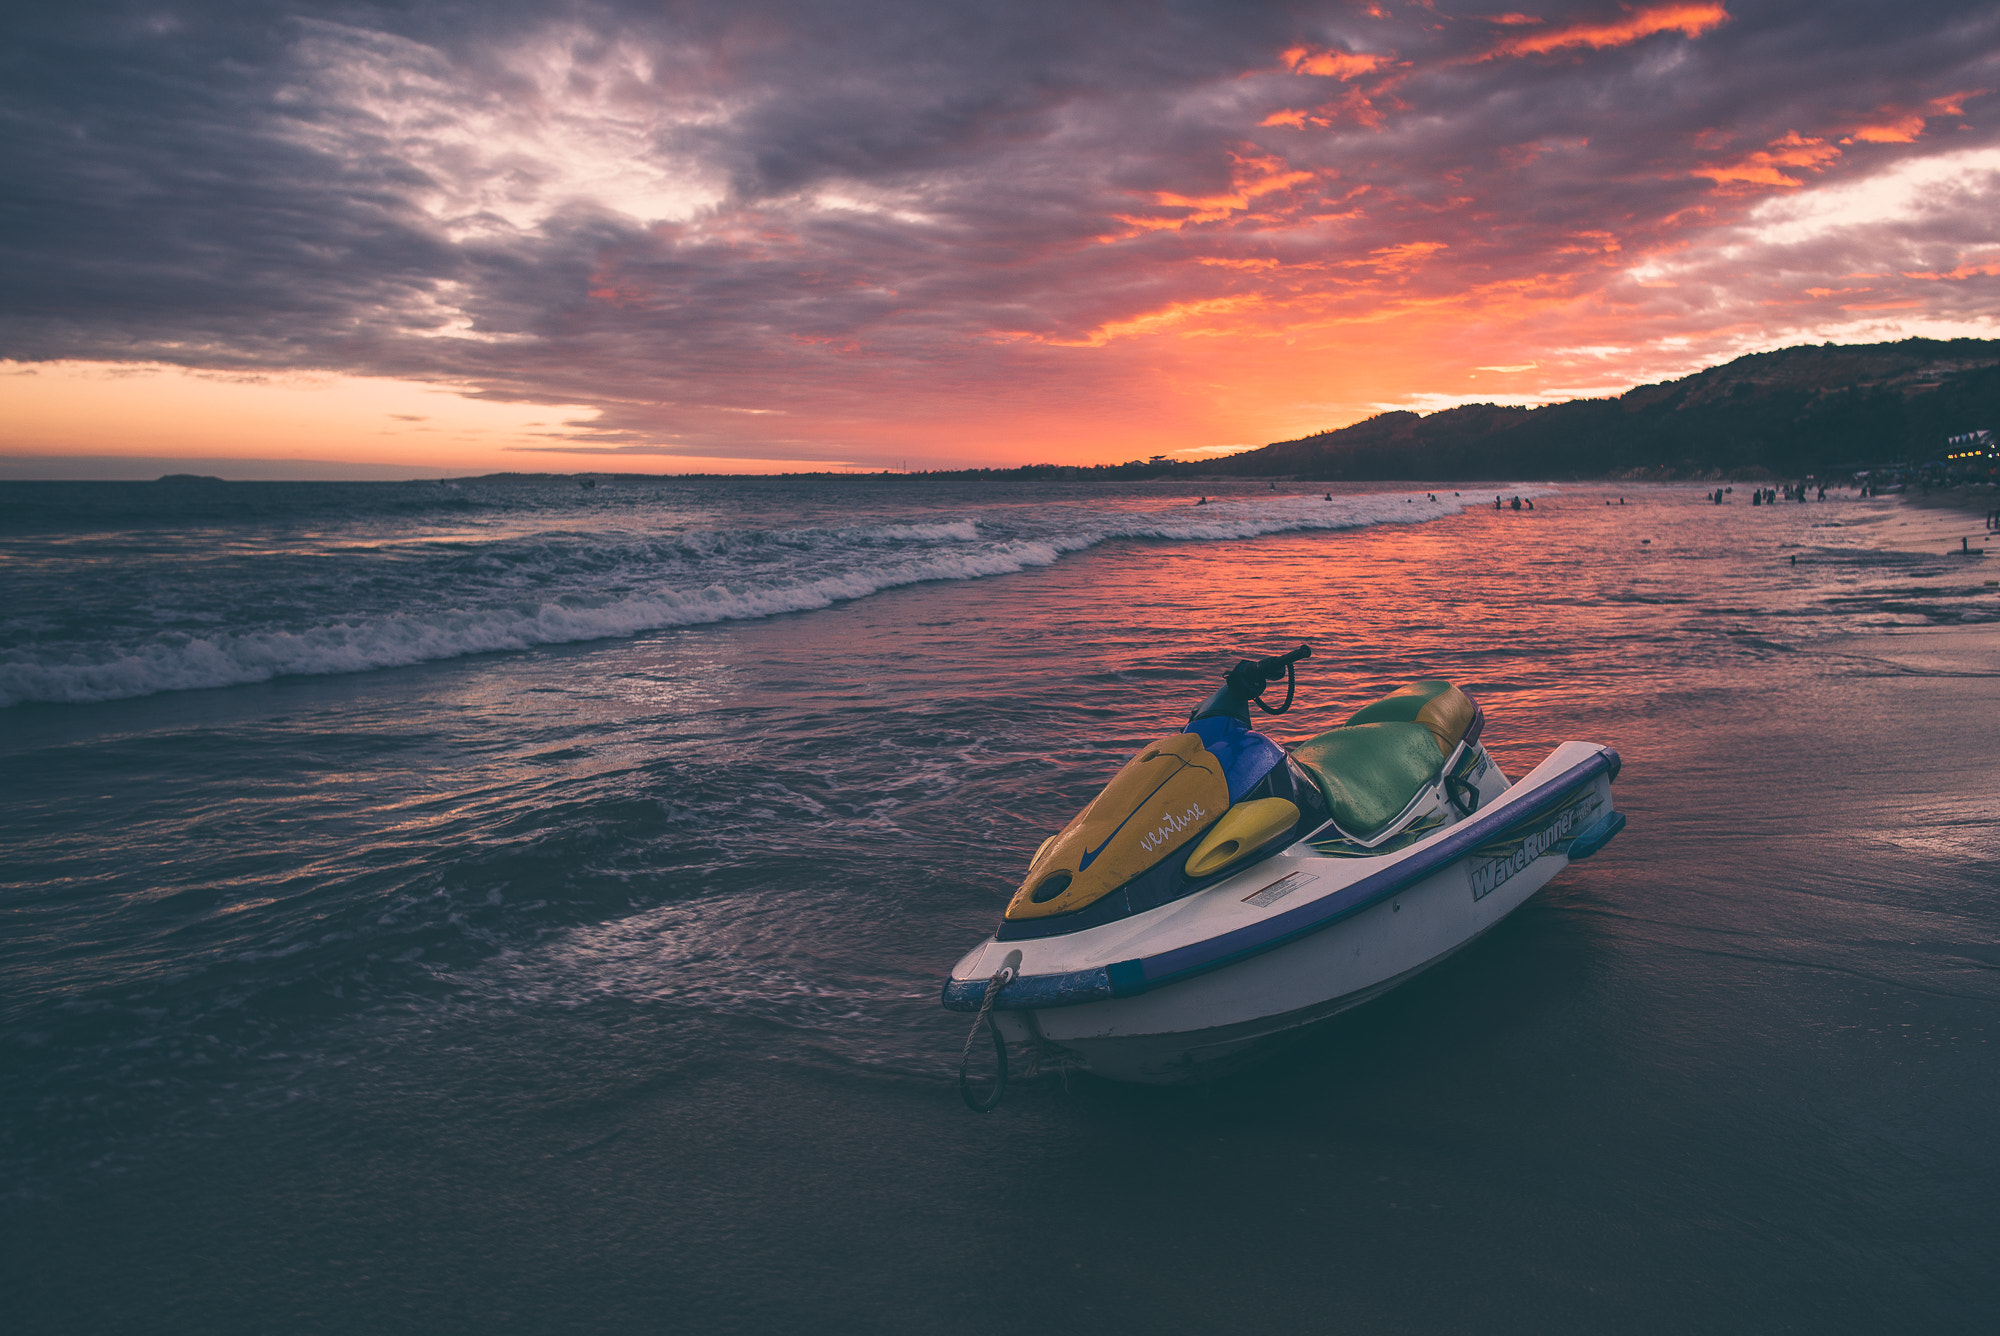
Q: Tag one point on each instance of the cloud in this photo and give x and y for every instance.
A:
(1776, 164)
(1905, 250)
(1332, 64)
(1041, 227)
(1690, 20)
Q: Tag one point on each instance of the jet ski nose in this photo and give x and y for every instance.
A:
(1164, 798)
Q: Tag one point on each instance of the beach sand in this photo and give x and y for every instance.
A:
(1940, 524)
(1940, 520)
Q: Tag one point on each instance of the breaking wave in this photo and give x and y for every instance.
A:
(191, 620)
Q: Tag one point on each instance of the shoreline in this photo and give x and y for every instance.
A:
(1976, 499)
(1942, 523)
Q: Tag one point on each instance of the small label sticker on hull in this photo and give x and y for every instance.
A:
(1278, 890)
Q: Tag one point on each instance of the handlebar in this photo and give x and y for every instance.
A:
(1274, 667)
(1245, 683)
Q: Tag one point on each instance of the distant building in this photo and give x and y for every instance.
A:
(1970, 445)
(1972, 455)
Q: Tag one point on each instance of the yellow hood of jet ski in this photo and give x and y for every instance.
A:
(1161, 801)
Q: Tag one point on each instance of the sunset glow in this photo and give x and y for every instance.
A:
(743, 239)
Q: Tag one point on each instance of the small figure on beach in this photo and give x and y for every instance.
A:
(1202, 502)
(1496, 503)
(1517, 503)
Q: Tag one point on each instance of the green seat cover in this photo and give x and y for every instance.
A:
(1387, 753)
(1370, 772)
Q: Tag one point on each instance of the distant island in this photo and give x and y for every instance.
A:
(1815, 410)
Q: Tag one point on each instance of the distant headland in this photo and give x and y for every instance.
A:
(1814, 410)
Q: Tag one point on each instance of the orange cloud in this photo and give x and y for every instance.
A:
(1966, 270)
(1353, 105)
(1764, 167)
(1900, 130)
(1893, 125)
(1691, 20)
(1907, 305)
(1405, 257)
(1592, 241)
(1251, 177)
(1953, 104)
(1331, 64)
(1154, 322)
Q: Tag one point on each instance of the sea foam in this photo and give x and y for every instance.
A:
(388, 605)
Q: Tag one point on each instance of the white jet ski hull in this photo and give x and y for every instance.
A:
(1197, 987)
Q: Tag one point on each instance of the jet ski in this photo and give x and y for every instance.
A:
(1223, 892)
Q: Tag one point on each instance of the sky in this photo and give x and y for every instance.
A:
(672, 236)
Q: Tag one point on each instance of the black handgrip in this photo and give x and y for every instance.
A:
(1244, 684)
(1274, 667)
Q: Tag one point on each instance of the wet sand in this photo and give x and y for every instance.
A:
(1943, 524)
(1939, 521)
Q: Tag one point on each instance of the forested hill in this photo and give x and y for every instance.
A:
(1789, 413)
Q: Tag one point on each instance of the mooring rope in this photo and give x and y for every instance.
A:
(1001, 978)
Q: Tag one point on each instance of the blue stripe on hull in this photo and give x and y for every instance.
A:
(1129, 978)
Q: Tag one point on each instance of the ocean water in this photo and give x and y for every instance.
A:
(506, 906)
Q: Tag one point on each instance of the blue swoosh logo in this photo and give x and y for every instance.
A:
(1091, 857)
